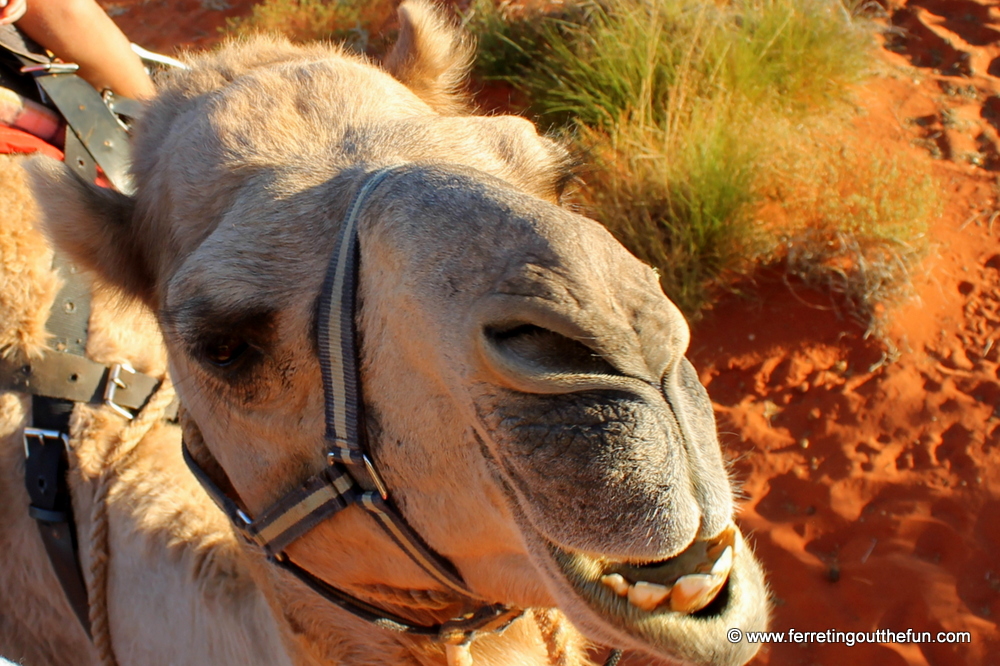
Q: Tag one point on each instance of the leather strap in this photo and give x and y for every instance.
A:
(69, 318)
(46, 444)
(66, 373)
(45, 467)
(76, 378)
(93, 126)
(21, 45)
(92, 123)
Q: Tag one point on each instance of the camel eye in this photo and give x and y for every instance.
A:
(225, 350)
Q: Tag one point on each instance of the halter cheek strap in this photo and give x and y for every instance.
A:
(343, 407)
(350, 477)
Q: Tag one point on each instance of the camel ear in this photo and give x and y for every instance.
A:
(92, 225)
(431, 57)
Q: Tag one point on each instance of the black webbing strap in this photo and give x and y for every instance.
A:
(338, 360)
(613, 658)
(350, 478)
(318, 498)
(233, 511)
(487, 618)
(490, 618)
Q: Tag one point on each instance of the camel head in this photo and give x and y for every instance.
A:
(526, 396)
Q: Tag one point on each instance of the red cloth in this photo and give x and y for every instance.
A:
(16, 141)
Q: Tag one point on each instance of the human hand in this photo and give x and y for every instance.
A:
(12, 10)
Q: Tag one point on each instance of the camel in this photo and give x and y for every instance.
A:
(176, 578)
(525, 405)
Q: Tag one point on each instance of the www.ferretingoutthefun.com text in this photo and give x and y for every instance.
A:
(849, 637)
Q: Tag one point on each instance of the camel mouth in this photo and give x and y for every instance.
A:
(677, 608)
(685, 583)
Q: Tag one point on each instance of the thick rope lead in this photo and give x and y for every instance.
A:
(97, 584)
(458, 655)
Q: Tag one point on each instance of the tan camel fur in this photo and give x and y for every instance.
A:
(176, 581)
(527, 399)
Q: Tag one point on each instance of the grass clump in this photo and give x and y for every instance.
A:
(853, 227)
(683, 108)
(683, 206)
(699, 122)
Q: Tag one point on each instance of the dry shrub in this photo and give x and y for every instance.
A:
(854, 225)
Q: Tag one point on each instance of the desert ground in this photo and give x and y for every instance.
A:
(870, 468)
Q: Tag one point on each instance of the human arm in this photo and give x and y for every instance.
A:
(79, 31)
(11, 10)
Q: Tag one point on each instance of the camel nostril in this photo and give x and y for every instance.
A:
(545, 352)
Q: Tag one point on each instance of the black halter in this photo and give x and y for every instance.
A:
(350, 477)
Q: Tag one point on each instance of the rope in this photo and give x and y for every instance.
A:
(560, 639)
(97, 584)
(458, 655)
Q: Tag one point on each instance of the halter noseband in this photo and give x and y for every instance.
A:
(351, 477)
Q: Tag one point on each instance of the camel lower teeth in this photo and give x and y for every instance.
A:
(693, 592)
(647, 596)
(617, 583)
(687, 593)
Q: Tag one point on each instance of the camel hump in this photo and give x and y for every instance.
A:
(431, 56)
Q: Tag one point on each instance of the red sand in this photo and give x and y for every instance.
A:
(872, 488)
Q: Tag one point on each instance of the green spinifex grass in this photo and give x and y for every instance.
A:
(698, 120)
(682, 108)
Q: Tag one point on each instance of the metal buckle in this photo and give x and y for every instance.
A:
(244, 517)
(344, 454)
(51, 68)
(376, 479)
(113, 384)
(41, 435)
